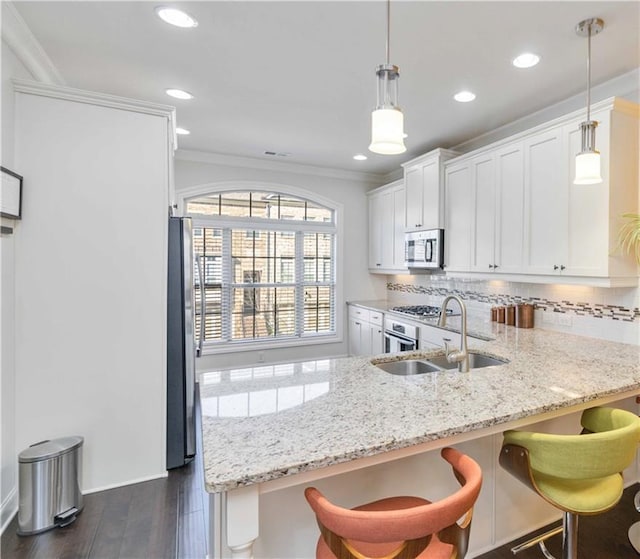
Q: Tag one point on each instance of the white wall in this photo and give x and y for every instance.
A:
(194, 169)
(90, 289)
(11, 67)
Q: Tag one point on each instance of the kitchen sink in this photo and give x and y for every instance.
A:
(408, 367)
(437, 363)
(476, 361)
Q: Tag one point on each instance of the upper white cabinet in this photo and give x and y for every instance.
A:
(386, 229)
(457, 226)
(516, 203)
(424, 184)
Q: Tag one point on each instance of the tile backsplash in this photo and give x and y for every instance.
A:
(609, 313)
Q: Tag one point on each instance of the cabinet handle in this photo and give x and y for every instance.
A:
(495, 266)
(561, 267)
(358, 324)
(378, 264)
(490, 266)
(555, 267)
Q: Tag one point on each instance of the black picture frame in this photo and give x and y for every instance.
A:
(10, 194)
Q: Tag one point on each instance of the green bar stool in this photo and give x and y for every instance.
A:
(579, 474)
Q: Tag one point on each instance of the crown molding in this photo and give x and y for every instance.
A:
(296, 168)
(624, 85)
(16, 33)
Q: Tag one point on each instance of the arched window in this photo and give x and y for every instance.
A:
(264, 267)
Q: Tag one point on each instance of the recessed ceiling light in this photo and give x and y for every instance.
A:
(464, 96)
(182, 131)
(179, 94)
(175, 17)
(526, 60)
(360, 157)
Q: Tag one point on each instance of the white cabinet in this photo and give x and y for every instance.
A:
(546, 189)
(457, 228)
(497, 186)
(365, 331)
(424, 183)
(512, 210)
(571, 230)
(386, 229)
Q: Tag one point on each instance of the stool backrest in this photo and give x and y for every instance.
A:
(414, 525)
(607, 447)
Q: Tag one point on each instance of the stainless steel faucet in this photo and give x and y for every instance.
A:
(461, 356)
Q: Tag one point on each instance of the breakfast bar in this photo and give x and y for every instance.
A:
(269, 431)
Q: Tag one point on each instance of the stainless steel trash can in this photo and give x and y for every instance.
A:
(49, 485)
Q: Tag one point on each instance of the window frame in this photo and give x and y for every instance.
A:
(220, 222)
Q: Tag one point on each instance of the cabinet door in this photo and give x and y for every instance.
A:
(375, 231)
(484, 213)
(457, 232)
(545, 203)
(376, 339)
(355, 336)
(588, 207)
(387, 228)
(509, 234)
(398, 228)
(414, 194)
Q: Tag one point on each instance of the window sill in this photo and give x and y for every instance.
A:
(269, 344)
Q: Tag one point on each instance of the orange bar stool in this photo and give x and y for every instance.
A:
(401, 527)
(579, 474)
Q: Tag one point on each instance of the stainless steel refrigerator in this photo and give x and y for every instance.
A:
(181, 429)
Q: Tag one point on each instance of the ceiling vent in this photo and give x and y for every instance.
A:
(277, 153)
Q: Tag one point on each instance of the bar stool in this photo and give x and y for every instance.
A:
(401, 527)
(579, 474)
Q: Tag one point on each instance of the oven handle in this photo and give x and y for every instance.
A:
(394, 334)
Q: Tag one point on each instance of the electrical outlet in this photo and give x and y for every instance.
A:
(564, 319)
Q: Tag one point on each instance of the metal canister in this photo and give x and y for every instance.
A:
(501, 314)
(494, 314)
(510, 315)
(524, 315)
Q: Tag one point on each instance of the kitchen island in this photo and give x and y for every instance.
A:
(358, 433)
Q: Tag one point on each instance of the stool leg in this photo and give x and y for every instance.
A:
(570, 536)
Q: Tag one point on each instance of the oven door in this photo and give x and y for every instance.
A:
(393, 343)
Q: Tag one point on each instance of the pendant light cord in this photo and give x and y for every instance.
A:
(388, 48)
(589, 75)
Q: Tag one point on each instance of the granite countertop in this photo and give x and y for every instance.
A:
(265, 422)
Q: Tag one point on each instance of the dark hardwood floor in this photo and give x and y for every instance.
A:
(160, 519)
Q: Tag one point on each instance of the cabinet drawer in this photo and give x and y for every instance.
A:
(376, 317)
(431, 336)
(358, 313)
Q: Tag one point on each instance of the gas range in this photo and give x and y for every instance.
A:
(423, 311)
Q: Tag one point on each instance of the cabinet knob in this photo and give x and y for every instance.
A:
(490, 266)
(555, 267)
(495, 266)
(561, 267)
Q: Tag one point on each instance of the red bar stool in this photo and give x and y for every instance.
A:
(401, 527)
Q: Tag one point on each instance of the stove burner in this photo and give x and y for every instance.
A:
(421, 310)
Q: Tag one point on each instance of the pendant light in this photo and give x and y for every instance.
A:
(588, 160)
(387, 120)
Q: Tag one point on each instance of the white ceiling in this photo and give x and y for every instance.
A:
(299, 77)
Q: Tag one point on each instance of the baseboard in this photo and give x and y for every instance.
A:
(8, 510)
(124, 484)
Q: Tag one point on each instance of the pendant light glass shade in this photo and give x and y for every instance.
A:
(588, 160)
(387, 120)
(387, 131)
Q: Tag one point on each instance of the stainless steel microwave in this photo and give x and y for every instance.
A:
(424, 249)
